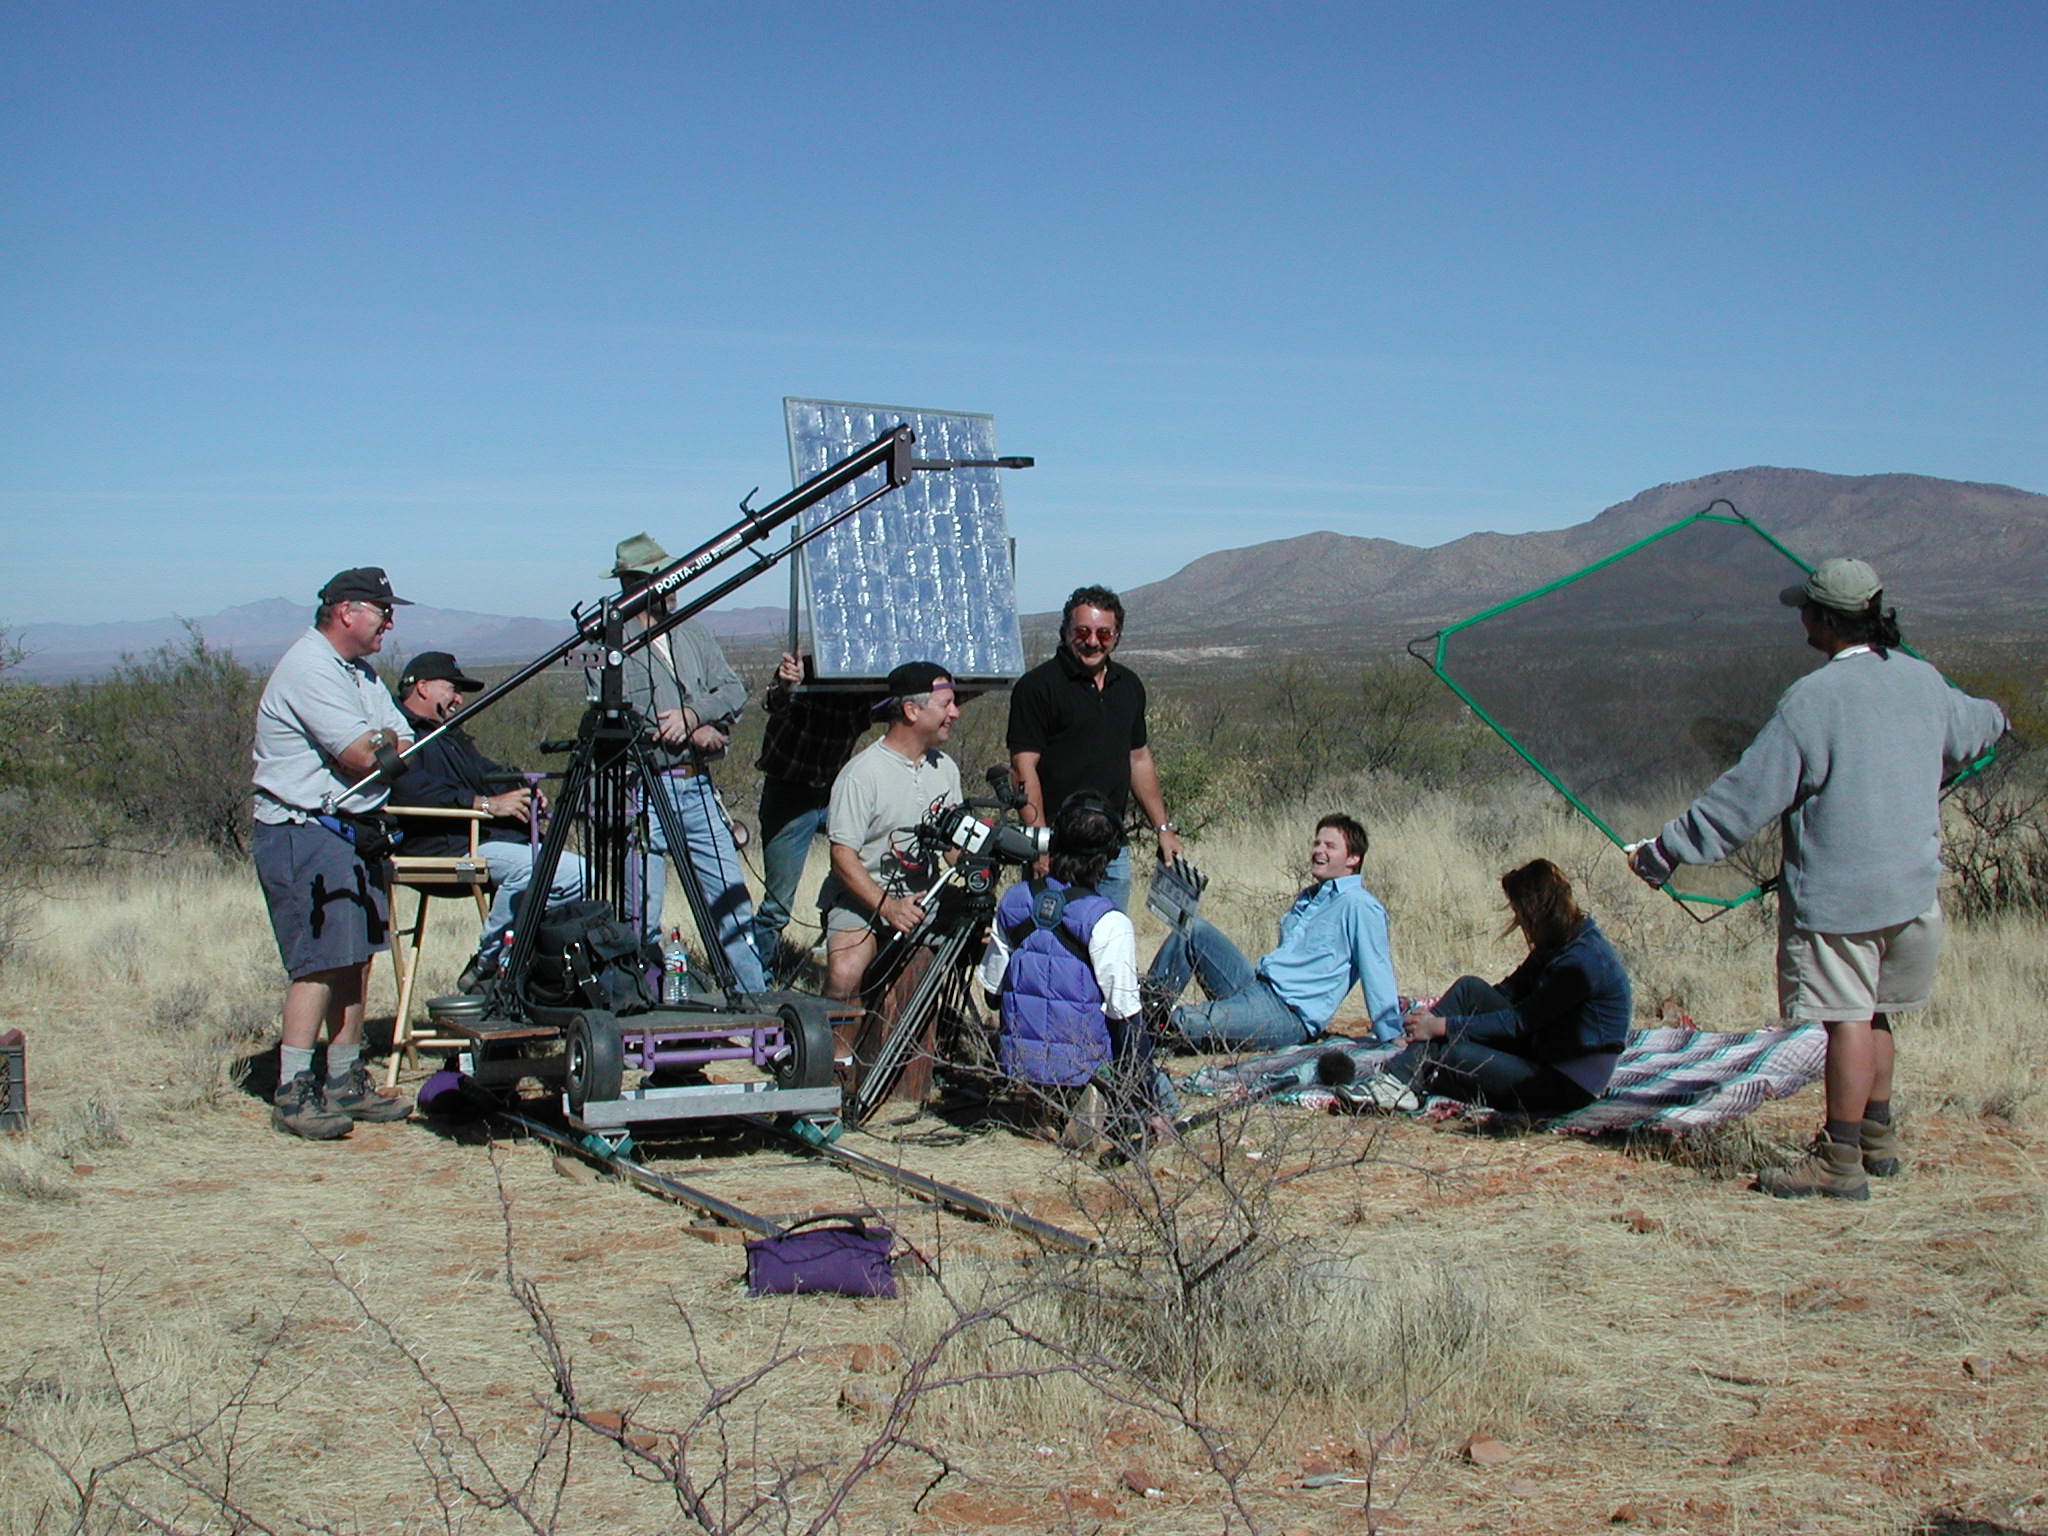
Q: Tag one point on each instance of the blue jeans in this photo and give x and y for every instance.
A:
(1485, 1074)
(1243, 1013)
(791, 815)
(1116, 880)
(511, 867)
(707, 845)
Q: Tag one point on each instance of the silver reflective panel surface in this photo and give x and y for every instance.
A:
(924, 573)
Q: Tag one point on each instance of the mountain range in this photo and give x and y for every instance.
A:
(1955, 556)
(1952, 553)
(258, 634)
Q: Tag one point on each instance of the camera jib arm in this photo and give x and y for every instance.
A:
(613, 754)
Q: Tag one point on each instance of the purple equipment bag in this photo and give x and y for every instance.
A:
(849, 1258)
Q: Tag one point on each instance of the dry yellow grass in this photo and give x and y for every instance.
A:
(1736, 1364)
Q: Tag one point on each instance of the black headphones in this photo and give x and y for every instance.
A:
(1093, 800)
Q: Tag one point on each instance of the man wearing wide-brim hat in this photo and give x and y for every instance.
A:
(1852, 762)
(691, 696)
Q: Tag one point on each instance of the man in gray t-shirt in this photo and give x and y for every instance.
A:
(896, 783)
(324, 722)
(1851, 764)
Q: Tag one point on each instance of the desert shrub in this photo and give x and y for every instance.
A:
(1996, 844)
(160, 749)
(30, 1173)
(26, 724)
(1211, 1299)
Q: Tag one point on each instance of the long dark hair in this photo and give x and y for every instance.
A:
(1876, 626)
(1541, 898)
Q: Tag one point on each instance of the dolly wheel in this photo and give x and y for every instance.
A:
(596, 1060)
(807, 1031)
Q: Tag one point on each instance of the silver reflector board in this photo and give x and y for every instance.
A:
(924, 573)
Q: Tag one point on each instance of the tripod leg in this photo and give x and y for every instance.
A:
(654, 786)
(915, 1013)
(507, 990)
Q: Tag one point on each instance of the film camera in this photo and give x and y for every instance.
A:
(990, 829)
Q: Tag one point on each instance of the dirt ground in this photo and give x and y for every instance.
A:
(1687, 1356)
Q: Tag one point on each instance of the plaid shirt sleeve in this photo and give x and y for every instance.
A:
(809, 740)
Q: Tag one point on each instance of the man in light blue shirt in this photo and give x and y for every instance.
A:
(1334, 936)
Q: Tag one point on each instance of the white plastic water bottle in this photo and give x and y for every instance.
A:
(675, 971)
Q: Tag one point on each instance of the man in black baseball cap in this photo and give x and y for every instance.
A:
(362, 584)
(450, 773)
(324, 724)
(897, 782)
(435, 667)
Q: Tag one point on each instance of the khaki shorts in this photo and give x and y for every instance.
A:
(847, 918)
(838, 912)
(1832, 977)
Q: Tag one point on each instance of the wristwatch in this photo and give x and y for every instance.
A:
(1167, 826)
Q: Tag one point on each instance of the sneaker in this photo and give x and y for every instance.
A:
(359, 1099)
(1085, 1122)
(1383, 1092)
(1881, 1149)
(1832, 1168)
(299, 1111)
(477, 974)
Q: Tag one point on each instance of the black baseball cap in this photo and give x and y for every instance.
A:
(916, 677)
(428, 665)
(363, 584)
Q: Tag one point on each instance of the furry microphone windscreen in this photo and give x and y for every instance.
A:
(1334, 1068)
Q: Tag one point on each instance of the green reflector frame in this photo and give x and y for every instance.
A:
(1701, 906)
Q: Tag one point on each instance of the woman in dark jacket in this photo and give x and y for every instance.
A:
(1543, 1042)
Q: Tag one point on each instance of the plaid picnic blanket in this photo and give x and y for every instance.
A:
(1670, 1080)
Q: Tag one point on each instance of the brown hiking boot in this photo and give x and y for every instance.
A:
(1881, 1148)
(297, 1110)
(358, 1098)
(1830, 1169)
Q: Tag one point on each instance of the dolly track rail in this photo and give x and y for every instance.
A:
(950, 1196)
(647, 1179)
(918, 1184)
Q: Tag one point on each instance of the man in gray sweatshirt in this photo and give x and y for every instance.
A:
(1851, 762)
(691, 696)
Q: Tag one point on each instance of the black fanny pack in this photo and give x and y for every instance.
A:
(375, 834)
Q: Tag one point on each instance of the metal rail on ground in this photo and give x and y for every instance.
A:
(948, 1195)
(647, 1178)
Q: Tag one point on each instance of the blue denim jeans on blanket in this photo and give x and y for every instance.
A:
(1481, 1074)
(1243, 1013)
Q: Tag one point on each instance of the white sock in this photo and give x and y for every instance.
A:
(341, 1060)
(292, 1060)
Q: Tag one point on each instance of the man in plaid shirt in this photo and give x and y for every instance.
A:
(808, 739)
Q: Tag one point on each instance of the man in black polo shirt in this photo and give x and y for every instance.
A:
(1078, 722)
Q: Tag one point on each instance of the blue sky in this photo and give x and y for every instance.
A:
(471, 291)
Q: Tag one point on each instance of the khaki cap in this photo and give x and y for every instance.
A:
(1845, 585)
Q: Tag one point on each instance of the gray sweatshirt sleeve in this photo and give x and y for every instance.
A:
(710, 686)
(1974, 726)
(1762, 785)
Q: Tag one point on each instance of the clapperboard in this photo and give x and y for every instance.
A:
(1176, 891)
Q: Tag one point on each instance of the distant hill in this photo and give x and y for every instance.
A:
(258, 634)
(1952, 553)
(1955, 555)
